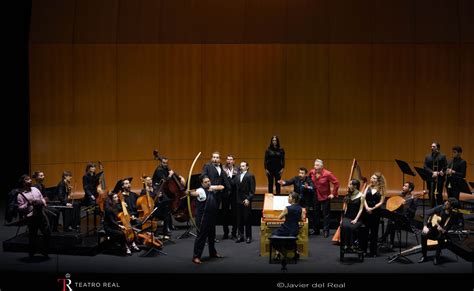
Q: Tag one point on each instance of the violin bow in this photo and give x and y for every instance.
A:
(193, 223)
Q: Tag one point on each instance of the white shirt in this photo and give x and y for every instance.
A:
(242, 176)
(219, 170)
(201, 195)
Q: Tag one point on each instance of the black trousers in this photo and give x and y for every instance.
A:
(372, 222)
(307, 202)
(207, 231)
(35, 223)
(116, 235)
(436, 200)
(433, 234)
(322, 209)
(229, 213)
(244, 220)
(72, 216)
(273, 178)
(453, 191)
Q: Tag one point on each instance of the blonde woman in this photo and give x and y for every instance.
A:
(374, 198)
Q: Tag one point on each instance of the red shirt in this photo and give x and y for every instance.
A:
(322, 184)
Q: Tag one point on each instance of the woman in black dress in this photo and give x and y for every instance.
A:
(374, 198)
(354, 204)
(274, 164)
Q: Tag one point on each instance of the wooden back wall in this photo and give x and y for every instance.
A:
(376, 80)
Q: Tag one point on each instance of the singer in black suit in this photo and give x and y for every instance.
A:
(245, 183)
(218, 176)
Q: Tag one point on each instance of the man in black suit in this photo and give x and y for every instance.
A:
(217, 175)
(455, 172)
(436, 164)
(245, 191)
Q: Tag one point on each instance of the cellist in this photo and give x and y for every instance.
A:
(112, 226)
(130, 199)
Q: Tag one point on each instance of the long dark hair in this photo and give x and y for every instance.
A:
(271, 143)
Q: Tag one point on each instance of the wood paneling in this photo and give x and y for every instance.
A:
(351, 21)
(394, 21)
(222, 21)
(307, 21)
(51, 103)
(392, 102)
(436, 87)
(139, 21)
(52, 21)
(436, 21)
(350, 102)
(265, 21)
(466, 20)
(137, 110)
(180, 22)
(95, 103)
(96, 21)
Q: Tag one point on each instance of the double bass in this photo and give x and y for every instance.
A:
(101, 189)
(176, 192)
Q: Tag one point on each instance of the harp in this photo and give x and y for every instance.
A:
(356, 173)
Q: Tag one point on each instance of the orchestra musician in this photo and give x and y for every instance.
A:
(436, 164)
(71, 214)
(438, 221)
(351, 222)
(90, 181)
(406, 210)
(455, 172)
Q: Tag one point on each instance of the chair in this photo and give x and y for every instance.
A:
(359, 243)
(285, 245)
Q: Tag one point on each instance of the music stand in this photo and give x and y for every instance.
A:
(194, 184)
(152, 249)
(405, 168)
(426, 177)
(401, 222)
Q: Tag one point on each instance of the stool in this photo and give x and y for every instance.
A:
(284, 244)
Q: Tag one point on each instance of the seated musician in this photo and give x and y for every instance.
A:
(130, 199)
(407, 210)
(438, 221)
(351, 222)
(293, 214)
(112, 226)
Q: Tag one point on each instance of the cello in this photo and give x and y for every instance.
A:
(176, 192)
(124, 217)
(145, 205)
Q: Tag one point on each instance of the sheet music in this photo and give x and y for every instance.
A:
(280, 202)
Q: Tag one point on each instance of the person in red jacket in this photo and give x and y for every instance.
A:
(322, 180)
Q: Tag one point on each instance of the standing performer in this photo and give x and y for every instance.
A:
(229, 200)
(274, 164)
(90, 181)
(322, 180)
(206, 215)
(374, 198)
(71, 214)
(31, 204)
(455, 172)
(436, 164)
(245, 192)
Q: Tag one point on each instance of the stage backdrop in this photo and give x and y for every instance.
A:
(374, 80)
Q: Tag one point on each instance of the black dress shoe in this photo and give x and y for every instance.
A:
(239, 240)
(249, 240)
(422, 259)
